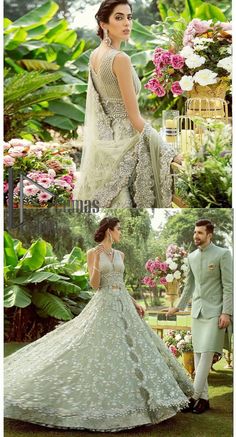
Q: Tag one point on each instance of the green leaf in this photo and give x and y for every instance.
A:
(67, 38)
(35, 64)
(6, 22)
(61, 122)
(16, 296)
(163, 10)
(34, 257)
(13, 40)
(208, 11)
(15, 66)
(19, 249)
(66, 288)
(68, 110)
(76, 255)
(190, 8)
(141, 58)
(56, 28)
(38, 277)
(19, 85)
(78, 49)
(40, 15)
(10, 256)
(51, 305)
(37, 32)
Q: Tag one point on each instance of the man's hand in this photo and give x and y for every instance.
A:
(224, 321)
(140, 309)
(172, 311)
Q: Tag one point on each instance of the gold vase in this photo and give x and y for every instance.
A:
(208, 101)
(188, 362)
(172, 290)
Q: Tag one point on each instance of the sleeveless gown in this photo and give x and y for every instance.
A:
(120, 167)
(105, 370)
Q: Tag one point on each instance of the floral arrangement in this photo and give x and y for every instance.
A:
(163, 272)
(47, 164)
(178, 342)
(205, 59)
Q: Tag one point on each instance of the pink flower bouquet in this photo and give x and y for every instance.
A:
(48, 164)
(204, 59)
(164, 272)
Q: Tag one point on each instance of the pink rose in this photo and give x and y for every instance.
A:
(177, 62)
(195, 27)
(8, 161)
(176, 88)
(5, 186)
(166, 57)
(15, 142)
(67, 178)
(18, 151)
(6, 146)
(224, 26)
(160, 91)
(163, 281)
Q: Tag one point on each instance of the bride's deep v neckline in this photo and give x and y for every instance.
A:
(111, 259)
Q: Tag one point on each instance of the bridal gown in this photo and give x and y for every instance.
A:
(120, 167)
(105, 370)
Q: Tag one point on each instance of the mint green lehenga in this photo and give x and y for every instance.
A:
(105, 370)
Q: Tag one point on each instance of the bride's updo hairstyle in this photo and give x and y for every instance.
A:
(105, 223)
(105, 10)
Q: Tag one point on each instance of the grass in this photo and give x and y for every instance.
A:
(217, 422)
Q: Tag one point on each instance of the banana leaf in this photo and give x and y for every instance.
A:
(14, 295)
(51, 305)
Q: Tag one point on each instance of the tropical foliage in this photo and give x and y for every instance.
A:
(39, 41)
(40, 286)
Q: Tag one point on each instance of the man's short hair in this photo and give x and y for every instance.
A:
(207, 223)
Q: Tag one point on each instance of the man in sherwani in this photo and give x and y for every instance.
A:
(209, 284)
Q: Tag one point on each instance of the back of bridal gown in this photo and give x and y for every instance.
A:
(105, 370)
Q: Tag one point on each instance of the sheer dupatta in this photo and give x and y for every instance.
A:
(110, 162)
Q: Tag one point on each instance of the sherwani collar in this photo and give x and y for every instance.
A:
(211, 245)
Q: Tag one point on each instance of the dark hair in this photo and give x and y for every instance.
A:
(105, 10)
(105, 223)
(207, 223)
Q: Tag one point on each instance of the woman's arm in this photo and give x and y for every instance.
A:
(93, 267)
(123, 70)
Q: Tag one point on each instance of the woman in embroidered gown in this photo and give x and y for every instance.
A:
(124, 161)
(105, 370)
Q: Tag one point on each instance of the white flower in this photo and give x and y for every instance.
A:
(226, 63)
(195, 61)
(186, 83)
(168, 261)
(185, 260)
(186, 52)
(177, 274)
(173, 265)
(178, 337)
(205, 77)
(184, 268)
(169, 277)
(188, 338)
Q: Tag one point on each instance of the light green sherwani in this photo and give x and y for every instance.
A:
(209, 284)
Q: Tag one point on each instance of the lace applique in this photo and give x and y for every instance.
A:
(144, 195)
(120, 180)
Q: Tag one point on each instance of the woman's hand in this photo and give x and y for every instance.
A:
(97, 251)
(140, 310)
(178, 159)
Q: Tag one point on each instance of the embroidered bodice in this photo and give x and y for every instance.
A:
(108, 89)
(111, 271)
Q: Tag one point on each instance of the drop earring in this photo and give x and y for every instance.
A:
(110, 238)
(106, 38)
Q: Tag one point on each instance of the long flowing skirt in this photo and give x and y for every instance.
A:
(105, 370)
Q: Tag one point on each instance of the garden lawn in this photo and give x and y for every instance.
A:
(217, 422)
